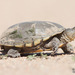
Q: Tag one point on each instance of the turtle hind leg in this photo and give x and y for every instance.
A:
(13, 53)
(68, 49)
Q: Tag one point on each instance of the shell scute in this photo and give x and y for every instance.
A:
(25, 32)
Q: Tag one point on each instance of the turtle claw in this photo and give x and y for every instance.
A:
(14, 56)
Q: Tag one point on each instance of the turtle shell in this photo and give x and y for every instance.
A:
(27, 32)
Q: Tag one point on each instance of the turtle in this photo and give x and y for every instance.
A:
(36, 36)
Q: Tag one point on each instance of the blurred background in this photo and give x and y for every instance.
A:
(16, 11)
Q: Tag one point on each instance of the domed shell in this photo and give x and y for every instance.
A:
(27, 32)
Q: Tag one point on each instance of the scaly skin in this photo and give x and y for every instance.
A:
(67, 36)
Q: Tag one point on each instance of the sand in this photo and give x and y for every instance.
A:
(16, 11)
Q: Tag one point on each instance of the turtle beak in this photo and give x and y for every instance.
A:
(73, 28)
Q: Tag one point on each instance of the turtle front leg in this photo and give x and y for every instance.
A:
(68, 48)
(13, 53)
(54, 44)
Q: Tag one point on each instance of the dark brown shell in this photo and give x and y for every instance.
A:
(27, 32)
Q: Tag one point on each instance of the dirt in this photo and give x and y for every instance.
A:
(62, 64)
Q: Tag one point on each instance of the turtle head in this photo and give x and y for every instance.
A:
(73, 32)
(70, 33)
(73, 28)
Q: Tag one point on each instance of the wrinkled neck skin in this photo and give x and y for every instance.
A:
(68, 35)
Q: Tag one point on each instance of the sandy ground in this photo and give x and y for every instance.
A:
(58, 65)
(16, 11)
